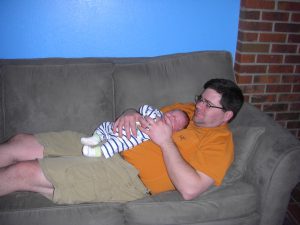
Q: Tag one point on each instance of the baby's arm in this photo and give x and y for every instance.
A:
(147, 110)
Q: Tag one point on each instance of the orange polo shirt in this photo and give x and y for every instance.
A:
(209, 150)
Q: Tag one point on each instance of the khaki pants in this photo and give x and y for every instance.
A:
(78, 179)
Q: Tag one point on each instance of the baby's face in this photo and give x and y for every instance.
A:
(177, 118)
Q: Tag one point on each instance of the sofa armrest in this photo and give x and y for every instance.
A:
(274, 168)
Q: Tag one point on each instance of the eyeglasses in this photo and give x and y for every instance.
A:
(199, 98)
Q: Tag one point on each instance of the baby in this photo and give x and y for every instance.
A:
(105, 141)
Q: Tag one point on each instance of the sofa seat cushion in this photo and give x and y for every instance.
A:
(31, 208)
(224, 203)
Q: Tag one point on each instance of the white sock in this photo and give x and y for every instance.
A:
(91, 151)
(91, 141)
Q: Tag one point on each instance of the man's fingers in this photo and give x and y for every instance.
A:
(167, 120)
(115, 126)
(133, 129)
(145, 130)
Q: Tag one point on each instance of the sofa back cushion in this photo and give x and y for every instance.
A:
(40, 98)
(164, 80)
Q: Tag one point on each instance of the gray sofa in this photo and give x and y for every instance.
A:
(56, 94)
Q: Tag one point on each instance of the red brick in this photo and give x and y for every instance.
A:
(279, 88)
(296, 17)
(291, 79)
(282, 123)
(255, 26)
(259, 106)
(295, 107)
(287, 116)
(236, 67)
(294, 38)
(244, 58)
(253, 88)
(275, 107)
(246, 98)
(263, 98)
(253, 47)
(243, 79)
(272, 37)
(296, 88)
(275, 16)
(287, 27)
(297, 69)
(281, 48)
(292, 59)
(289, 98)
(257, 4)
(289, 6)
(281, 69)
(244, 36)
(293, 124)
(252, 69)
(267, 79)
(269, 58)
(252, 15)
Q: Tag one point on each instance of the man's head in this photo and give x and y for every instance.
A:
(218, 104)
(179, 119)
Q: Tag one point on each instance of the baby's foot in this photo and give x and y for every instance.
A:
(91, 151)
(91, 141)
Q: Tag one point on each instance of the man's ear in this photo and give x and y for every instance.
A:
(228, 115)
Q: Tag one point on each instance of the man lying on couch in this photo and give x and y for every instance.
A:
(189, 161)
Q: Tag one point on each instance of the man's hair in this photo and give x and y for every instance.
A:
(232, 97)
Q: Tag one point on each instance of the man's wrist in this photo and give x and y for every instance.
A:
(167, 144)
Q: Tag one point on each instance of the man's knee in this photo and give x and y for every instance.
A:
(26, 170)
(21, 138)
(27, 176)
(26, 147)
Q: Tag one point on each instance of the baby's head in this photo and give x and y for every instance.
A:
(179, 119)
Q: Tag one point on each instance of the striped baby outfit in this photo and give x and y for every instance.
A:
(114, 144)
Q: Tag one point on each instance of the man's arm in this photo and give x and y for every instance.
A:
(189, 182)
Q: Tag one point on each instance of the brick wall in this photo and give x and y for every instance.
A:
(267, 60)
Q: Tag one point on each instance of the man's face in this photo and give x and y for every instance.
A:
(210, 117)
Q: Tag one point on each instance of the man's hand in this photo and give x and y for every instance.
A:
(128, 121)
(159, 130)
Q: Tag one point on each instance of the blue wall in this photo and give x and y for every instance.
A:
(96, 28)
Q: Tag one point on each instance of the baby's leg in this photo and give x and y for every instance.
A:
(90, 151)
(116, 144)
(91, 141)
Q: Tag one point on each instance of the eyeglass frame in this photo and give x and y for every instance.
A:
(199, 98)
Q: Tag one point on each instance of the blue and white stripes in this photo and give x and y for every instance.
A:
(115, 144)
